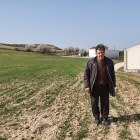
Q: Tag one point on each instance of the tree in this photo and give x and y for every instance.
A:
(54, 50)
(29, 47)
(43, 48)
(81, 51)
(70, 49)
(85, 53)
(76, 50)
(65, 51)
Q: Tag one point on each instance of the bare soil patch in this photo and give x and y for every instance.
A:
(70, 117)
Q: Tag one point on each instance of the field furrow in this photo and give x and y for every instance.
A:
(43, 98)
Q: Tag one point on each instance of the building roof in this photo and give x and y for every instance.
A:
(95, 47)
(132, 47)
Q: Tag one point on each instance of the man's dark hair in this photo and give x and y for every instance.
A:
(100, 47)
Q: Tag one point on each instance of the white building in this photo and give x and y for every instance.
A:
(108, 53)
(132, 59)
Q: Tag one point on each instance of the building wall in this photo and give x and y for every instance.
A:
(112, 53)
(108, 53)
(92, 53)
(132, 59)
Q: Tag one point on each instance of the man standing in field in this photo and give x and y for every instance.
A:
(99, 81)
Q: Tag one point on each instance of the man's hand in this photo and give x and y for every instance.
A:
(87, 89)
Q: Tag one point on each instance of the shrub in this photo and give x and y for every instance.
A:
(65, 50)
(42, 48)
(54, 50)
(81, 51)
(29, 47)
(16, 49)
(70, 49)
(76, 50)
(85, 54)
(121, 53)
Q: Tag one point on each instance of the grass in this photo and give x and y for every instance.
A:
(81, 134)
(2, 138)
(32, 82)
(106, 129)
(13, 45)
(23, 74)
(118, 60)
(125, 133)
(114, 105)
(64, 127)
(30, 66)
(124, 120)
(130, 80)
(83, 131)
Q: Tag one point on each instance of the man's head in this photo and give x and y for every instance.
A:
(100, 51)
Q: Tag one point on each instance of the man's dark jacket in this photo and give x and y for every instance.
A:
(90, 74)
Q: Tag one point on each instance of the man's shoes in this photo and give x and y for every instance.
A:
(97, 121)
(106, 121)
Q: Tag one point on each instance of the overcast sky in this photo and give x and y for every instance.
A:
(76, 23)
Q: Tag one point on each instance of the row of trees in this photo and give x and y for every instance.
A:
(43, 48)
(72, 50)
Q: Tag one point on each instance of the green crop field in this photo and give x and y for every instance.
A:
(42, 97)
(22, 75)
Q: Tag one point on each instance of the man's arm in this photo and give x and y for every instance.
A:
(87, 78)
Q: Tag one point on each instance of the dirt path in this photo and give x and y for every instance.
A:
(118, 65)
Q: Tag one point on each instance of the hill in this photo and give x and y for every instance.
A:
(22, 46)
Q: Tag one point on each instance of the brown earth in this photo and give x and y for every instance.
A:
(71, 114)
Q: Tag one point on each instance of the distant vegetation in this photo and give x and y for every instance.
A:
(13, 45)
(45, 48)
(121, 55)
(35, 45)
(51, 49)
(75, 51)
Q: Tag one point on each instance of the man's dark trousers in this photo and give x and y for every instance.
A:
(101, 91)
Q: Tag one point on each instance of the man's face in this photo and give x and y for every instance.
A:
(100, 54)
